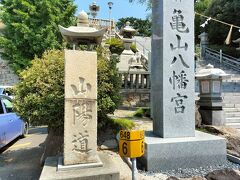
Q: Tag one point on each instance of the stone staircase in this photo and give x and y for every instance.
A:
(231, 92)
(231, 106)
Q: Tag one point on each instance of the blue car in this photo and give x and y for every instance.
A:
(11, 125)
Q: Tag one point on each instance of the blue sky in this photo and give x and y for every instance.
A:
(121, 8)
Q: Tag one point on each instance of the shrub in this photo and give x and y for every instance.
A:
(140, 112)
(147, 112)
(134, 48)
(40, 94)
(109, 84)
(122, 124)
(115, 46)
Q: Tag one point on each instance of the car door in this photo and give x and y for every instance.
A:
(14, 125)
(4, 126)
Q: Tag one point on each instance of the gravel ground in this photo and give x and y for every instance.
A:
(190, 172)
(146, 124)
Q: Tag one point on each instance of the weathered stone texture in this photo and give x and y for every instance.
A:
(80, 126)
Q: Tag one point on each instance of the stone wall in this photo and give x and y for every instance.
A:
(7, 76)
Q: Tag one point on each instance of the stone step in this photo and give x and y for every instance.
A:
(226, 105)
(233, 125)
(233, 120)
(231, 109)
(232, 114)
(231, 101)
(230, 94)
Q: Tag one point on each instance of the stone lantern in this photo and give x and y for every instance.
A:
(210, 86)
(203, 43)
(82, 34)
(127, 32)
(94, 9)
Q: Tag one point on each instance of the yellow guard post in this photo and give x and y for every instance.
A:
(131, 143)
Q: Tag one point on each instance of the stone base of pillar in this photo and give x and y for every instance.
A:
(62, 167)
(190, 152)
(213, 117)
(108, 171)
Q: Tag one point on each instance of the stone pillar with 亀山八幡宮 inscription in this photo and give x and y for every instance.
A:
(174, 143)
(172, 69)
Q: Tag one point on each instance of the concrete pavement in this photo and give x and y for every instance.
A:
(20, 160)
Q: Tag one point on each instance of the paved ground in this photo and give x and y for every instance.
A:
(20, 159)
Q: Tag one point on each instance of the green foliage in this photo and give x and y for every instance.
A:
(109, 84)
(141, 112)
(143, 27)
(227, 11)
(197, 50)
(200, 7)
(39, 96)
(147, 2)
(147, 112)
(32, 27)
(133, 47)
(122, 124)
(202, 129)
(115, 45)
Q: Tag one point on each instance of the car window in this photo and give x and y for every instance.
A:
(8, 105)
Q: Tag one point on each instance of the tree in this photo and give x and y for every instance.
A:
(143, 26)
(32, 27)
(147, 2)
(227, 11)
(200, 7)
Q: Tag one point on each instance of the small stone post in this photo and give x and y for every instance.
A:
(203, 43)
(221, 57)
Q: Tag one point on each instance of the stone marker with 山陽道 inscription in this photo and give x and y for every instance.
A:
(80, 157)
(80, 145)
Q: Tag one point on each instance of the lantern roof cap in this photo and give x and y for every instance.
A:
(210, 71)
(128, 29)
(82, 35)
(83, 17)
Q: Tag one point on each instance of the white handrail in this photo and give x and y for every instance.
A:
(230, 61)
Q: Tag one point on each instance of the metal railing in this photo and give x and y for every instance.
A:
(135, 81)
(143, 49)
(222, 59)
